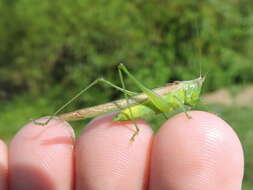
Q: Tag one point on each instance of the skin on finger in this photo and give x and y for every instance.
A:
(3, 165)
(199, 153)
(41, 157)
(106, 159)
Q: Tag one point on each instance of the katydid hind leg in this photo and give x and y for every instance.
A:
(99, 80)
(43, 123)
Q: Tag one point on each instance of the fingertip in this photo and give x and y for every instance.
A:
(41, 157)
(3, 165)
(3, 148)
(196, 153)
(104, 152)
(48, 121)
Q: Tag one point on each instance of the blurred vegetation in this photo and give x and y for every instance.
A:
(49, 50)
(54, 45)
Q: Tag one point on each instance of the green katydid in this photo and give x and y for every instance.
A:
(161, 100)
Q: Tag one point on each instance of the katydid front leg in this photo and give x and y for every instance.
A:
(130, 110)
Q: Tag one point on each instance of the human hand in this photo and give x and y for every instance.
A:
(192, 154)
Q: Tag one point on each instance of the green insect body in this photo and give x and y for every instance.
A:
(180, 95)
(185, 94)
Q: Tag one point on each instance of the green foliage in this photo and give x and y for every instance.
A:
(47, 44)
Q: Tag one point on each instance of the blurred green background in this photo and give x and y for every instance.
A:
(50, 50)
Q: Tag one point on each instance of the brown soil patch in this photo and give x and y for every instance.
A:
(245, 98)
(219, 97)
(223, 96)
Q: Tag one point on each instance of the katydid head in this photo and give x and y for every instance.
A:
(193, 90)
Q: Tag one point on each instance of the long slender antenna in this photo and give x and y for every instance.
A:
(199, 48)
